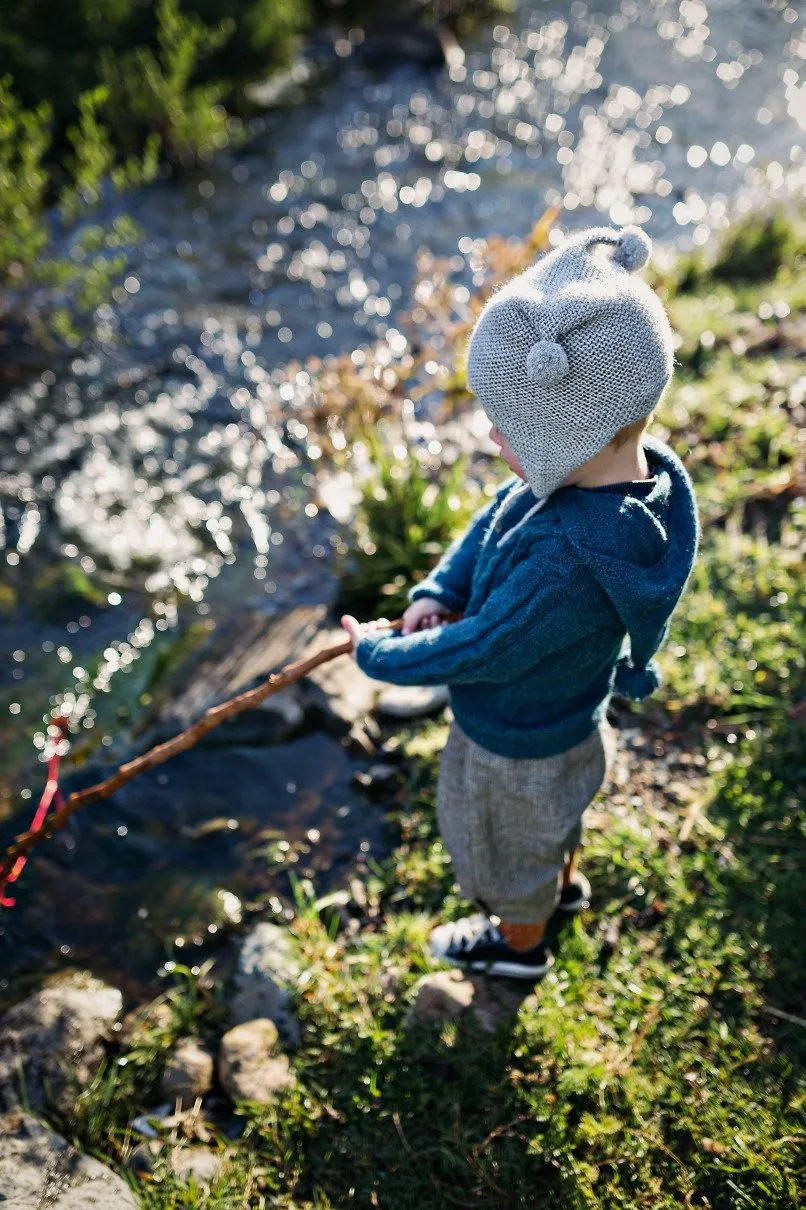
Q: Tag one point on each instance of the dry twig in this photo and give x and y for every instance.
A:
(214, 717)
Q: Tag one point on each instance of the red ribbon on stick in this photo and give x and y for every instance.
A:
(50, 795)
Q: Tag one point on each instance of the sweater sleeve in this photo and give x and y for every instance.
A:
(451, 580)
(527, 617)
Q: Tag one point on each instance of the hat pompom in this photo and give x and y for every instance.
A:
(546, 363)
(633, 249)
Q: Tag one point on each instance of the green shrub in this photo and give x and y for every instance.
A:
(153, 90)
(56, 53)
(406, 518)
(753, 250)
(50, 286)
(89, 94)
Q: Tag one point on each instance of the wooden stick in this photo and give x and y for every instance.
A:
(213, 717)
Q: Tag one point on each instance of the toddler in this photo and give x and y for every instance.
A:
(566, 583)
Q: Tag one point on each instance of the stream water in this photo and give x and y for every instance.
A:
(168, 457)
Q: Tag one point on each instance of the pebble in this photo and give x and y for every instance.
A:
(250, 1066)
(188, 1073)
(450, 995)
(196, 1163)
(440, 997)
(340, 691)
(141, 1021)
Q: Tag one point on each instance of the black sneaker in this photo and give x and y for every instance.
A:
(576, 896)
(475, 944)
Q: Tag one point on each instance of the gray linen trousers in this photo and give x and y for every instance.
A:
(508, 824)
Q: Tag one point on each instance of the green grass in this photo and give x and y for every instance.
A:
(407, 517)
(643, 1077)
(652, 1067)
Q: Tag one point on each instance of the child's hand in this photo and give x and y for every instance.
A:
(357, 629)
(422, 615)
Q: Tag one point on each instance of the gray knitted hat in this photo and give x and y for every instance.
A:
(569, 352)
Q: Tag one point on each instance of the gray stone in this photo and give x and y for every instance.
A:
(345, 694)
(412, 701)
(199, 1164)
(250, 1066)
(440, 997)
(38, 1168)
(188, 1073)
(240, 651)
(450, 995)
(496, 1001)
(286, 707)
(267, 973)
(56, 1038)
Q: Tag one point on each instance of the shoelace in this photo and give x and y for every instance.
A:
(467, 932)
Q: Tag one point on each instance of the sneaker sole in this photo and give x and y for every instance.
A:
(509, 970)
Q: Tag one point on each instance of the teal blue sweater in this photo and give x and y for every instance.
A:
(564, 603)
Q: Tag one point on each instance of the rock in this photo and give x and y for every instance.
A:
(496, 1001)
(242, 650)
(286, 708)
(57, 1035)
(412, 701)
(449, 995)
(267, 971)
(339, 691)
(188, 1073)
(199, 1164)
(250, 1067)
(38, 1168)
(443, 996)
(272, 721)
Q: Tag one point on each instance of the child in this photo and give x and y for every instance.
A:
(567, 582)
